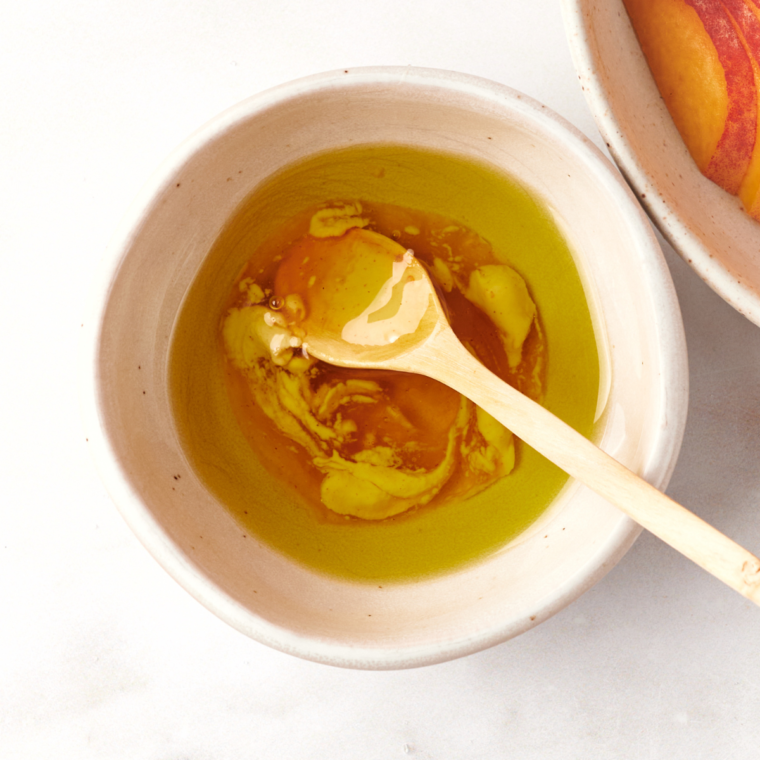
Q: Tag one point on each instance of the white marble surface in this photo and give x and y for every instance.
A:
(102, 655)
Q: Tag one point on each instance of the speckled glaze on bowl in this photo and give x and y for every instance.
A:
(706, 225)
(155, 256)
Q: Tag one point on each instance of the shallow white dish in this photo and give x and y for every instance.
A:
(707, 226)
(165, 239)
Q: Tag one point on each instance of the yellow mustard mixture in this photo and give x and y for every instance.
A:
(383, 445)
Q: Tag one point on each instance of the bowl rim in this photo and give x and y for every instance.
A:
(657, 470)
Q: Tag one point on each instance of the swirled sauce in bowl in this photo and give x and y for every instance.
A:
(365, 473)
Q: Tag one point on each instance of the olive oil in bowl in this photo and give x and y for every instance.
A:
(448, 210)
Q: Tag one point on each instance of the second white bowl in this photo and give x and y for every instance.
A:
(706, 225)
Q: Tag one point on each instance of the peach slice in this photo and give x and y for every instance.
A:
(687, 70)
(733, 153)
(705, 77)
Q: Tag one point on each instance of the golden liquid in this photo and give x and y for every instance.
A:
(428, 405)
(271, 493)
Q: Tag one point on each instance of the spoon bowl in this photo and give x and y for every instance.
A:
(394, 338)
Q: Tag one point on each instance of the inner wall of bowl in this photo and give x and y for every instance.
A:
(262, 593)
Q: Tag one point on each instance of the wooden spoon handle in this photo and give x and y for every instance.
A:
(444, 358)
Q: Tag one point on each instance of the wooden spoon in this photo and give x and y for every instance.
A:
(404, 327)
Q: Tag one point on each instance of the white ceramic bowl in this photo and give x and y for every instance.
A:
(706, 225)
(156, 255)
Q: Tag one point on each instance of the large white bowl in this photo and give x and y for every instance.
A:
(706, 225)
(156, 255)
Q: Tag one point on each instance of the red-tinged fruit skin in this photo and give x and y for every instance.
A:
(747, 23)
(746, 18)
(733, 154)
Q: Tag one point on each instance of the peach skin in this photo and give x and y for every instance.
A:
(746, 17)
(733, 153)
